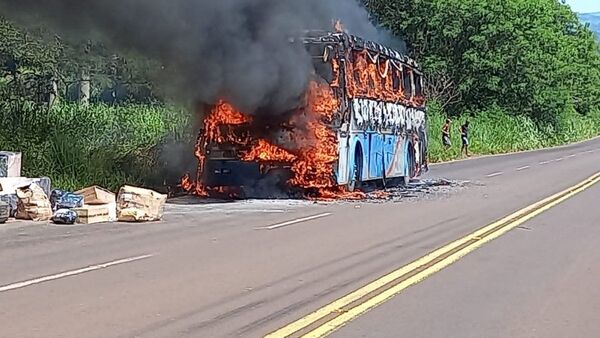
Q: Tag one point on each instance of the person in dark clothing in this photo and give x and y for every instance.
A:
(446, 134)
(464, 136)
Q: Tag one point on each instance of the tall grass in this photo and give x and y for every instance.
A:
(494, 132)
(78, 146)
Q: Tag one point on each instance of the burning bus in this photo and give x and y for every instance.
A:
(361, 121)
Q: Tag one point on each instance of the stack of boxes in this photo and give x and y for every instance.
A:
(100, 205)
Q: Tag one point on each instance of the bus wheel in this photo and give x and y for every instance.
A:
(354, 179)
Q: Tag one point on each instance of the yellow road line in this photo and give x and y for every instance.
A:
(480, 237)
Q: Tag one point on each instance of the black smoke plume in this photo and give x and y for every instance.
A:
(233, 49)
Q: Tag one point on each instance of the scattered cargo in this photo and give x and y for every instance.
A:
(60, 199)
(11, 200)
(10, 164)
(64, 216)
(92, 214)
(96, 195)
(139, 205)
(33, 203)
(4, 212)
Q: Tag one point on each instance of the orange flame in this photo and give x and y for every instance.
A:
(265, 151)
(222, 114)
(372, 76)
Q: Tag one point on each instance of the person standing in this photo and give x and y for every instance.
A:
(446, 134)
(464, 136)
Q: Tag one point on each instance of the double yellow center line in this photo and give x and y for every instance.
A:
(335, 315)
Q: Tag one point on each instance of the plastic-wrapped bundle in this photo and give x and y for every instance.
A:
(65, 200)
(64, 216)
(4, 212)
(11, 200)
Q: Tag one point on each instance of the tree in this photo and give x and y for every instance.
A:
(529, 57)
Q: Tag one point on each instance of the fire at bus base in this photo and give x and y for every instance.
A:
(362, 121)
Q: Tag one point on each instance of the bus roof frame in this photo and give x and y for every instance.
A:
(358, 43)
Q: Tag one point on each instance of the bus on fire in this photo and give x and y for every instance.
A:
(363, 121)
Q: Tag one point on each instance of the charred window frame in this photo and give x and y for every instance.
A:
(321, 55)
(418, 84)
(396, 79)
(351, 58)
(383, 66)
(407, 81)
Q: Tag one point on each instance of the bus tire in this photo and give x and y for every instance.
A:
(354, 180)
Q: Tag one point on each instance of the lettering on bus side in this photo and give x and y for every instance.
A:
(376, 115)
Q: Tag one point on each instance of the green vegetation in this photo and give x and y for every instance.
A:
(526, 72)
(79, 146)
(119, 132)
(495, 132)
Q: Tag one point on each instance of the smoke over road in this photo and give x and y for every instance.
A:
(233, 49)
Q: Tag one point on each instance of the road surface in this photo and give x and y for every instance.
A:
(247, 269)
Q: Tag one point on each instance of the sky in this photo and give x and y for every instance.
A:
(585, 6)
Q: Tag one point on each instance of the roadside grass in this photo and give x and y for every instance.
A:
(78, 146)
(495, 132)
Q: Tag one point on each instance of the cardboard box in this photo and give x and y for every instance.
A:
(10, 164)
(96, 195)
(92, 214)
(139, 205)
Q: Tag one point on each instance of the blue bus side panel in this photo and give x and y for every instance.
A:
(375, 147)
(405, 164)
(376, 156)
(365, 142)
(396, 155)
(358, 141)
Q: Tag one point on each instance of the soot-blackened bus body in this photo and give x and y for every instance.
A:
(380, 126)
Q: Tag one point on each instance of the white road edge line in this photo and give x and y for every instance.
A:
(295, 221)
(523, 168)
(90, 268)
(495, 174)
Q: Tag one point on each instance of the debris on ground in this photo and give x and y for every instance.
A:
(417, 189)
(64, 216)
(33, 203)
(139, 205)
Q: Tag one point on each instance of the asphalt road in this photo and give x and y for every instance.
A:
(246, 269)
